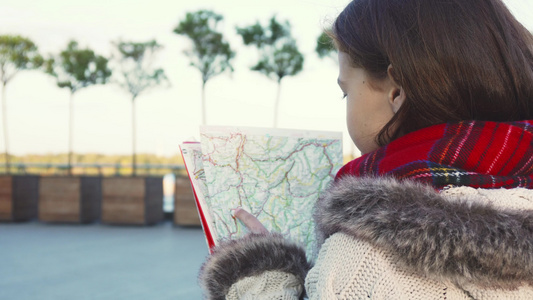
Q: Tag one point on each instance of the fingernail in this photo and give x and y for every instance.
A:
(234, 210)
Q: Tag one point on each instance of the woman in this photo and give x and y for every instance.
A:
(440, 206)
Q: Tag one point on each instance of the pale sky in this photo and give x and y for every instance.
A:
(38, 110)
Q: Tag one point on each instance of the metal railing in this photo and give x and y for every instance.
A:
(102, 169)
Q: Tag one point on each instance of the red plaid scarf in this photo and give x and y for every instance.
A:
(468, 153)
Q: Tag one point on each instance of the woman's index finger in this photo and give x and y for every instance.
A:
(250, 221)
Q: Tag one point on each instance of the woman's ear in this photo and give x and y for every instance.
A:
(396, 93)
(396, 98)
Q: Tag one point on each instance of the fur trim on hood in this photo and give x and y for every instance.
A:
(460, 240)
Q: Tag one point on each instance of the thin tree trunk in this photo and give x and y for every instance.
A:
(204, 121)
(276, 105)
(4, 117)
(133, 138)
(70, 132)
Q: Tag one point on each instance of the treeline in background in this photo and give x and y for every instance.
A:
(93, 164)
(131, 67)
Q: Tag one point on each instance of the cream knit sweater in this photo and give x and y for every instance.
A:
(356, 262)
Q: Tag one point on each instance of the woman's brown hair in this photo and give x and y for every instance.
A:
(455, 59)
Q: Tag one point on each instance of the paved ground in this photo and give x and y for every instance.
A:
(95, 261)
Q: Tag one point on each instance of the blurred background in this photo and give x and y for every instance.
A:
(37, 110)
(170, 113)
(110, 88)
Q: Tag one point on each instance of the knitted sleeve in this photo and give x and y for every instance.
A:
(267, 285)
(257, 266)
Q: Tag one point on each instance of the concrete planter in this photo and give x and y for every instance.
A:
(132, 200)
(70, 199)
(18, 197)
(185, 212)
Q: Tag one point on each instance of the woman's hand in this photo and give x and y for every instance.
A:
(249, 220)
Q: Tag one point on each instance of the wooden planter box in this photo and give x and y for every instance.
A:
(185, 212)
(132, 200)
(18, 197)
(70, 199)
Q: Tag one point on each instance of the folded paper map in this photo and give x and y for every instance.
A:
(275, 174)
